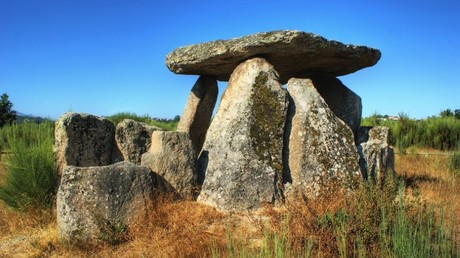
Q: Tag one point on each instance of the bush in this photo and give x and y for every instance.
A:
(30, 179)
(167, 124)
(442, 133)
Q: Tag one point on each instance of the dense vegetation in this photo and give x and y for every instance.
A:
(30, 181)
(167, 124)
(437, 132)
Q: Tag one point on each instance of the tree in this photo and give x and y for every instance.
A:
(7, 115)
(446, 113)
(457, 113)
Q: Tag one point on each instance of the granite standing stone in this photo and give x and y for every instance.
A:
(173, 158)
(133, 139)
(94, 201)
(198, 111)
(345, 104)
(320, 151)
(84, 140)
(376, 155)
(241, 160)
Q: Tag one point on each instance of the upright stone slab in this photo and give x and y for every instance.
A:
(345, 104)
(376, 154)
(242, 154)
(198, 111)
(133, 139)
(173, 157)
(98, 202)
(84, 140)
(320, 151)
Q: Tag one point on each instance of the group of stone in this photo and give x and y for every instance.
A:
(266, 144)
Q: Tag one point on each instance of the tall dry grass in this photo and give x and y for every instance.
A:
(369, 223)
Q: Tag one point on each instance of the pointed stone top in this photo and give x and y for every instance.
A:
(292, 53)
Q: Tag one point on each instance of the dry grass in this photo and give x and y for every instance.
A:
(427, 176)
(189, 229)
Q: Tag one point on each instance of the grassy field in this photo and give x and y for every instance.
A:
(414, 214)
(417, 216)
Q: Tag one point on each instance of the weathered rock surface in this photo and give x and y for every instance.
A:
(173, 157)
(345, 104)
(321, 151)
(198, 111)
(376, 155)
(91, 201)
(293, 54)
(84, 140)
(242, 154)
(133, 139)
(380, 133)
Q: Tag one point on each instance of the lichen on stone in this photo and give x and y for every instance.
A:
(267, 125)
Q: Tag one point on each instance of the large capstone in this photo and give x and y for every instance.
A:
(173, 158)
(133, 139)
(292, 53)
(241, 160)
(101, 202)
(84, 140)
(320, 151)
(198, 110)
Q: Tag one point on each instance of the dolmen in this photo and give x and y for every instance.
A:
(285, 128)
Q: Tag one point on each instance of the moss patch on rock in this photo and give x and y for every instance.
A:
(266, 129)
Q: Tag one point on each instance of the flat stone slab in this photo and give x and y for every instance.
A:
(292, 53)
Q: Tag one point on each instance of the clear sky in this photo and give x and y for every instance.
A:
(107, 56)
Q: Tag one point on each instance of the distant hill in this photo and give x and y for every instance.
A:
(21, 117)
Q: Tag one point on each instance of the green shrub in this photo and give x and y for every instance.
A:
(167, 124)
(30, 180)
(441, 133)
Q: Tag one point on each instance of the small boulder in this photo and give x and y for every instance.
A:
(292, 53)
(320, 151)
(241, 159)
(100, 202)
(198, 111)
(173, 157)
(84, 140)
(133, 139)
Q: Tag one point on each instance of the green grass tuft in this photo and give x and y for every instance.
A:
(30, 180)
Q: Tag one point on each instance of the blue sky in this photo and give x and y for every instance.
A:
(103, 57)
